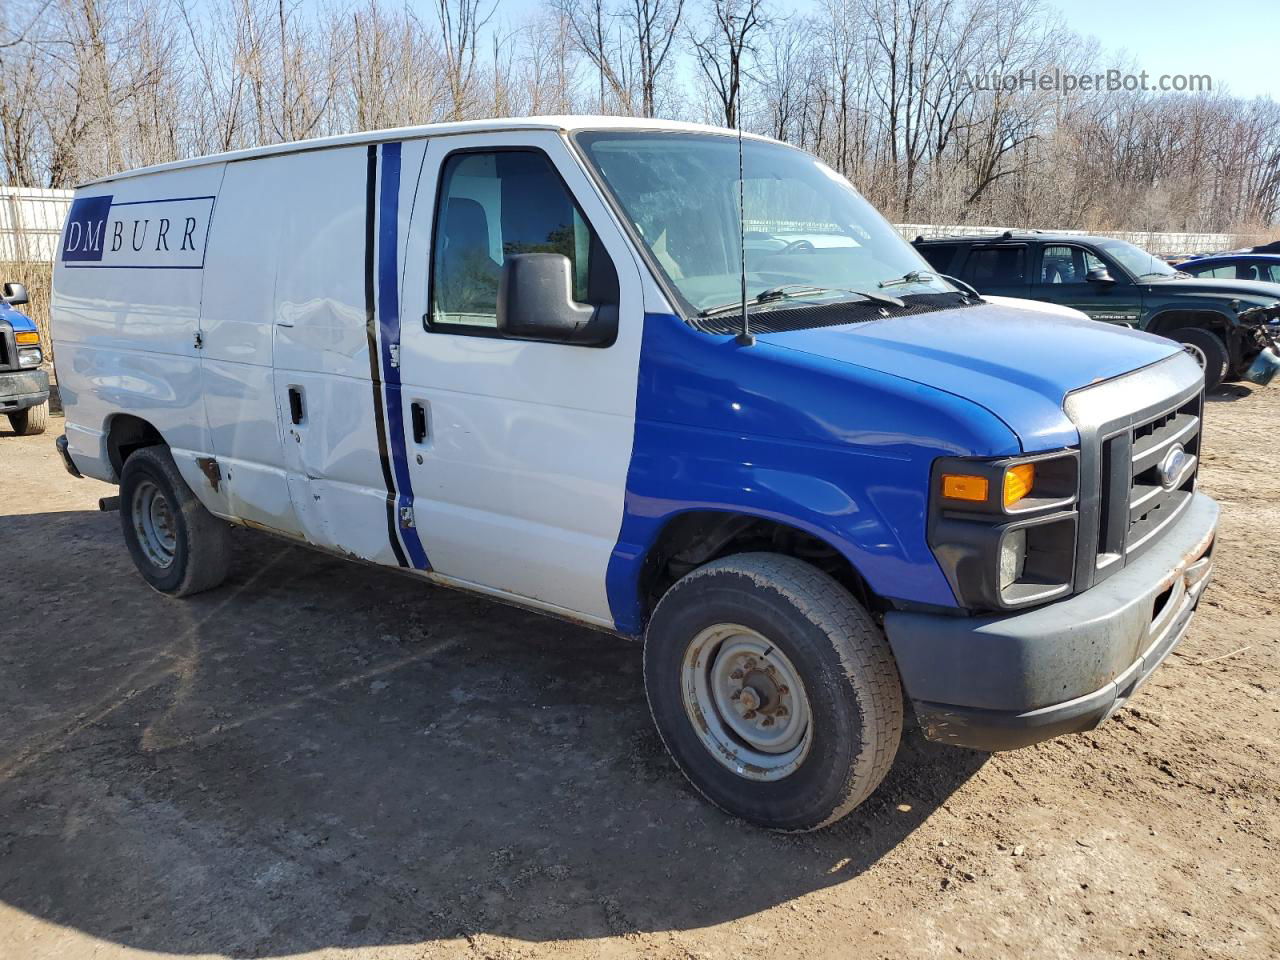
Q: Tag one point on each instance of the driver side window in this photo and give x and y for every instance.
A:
(492, 205)
(1067, 263)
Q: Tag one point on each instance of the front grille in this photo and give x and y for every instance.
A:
(8, 348)
(1154, 502)
(1127, 427)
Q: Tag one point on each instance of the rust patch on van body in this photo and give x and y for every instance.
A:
(209, 467)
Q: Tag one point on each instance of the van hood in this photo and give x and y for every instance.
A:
(1019, 365)
(20, 322)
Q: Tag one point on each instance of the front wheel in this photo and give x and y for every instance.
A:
(774, 691)
(31, 421)
(178, 546)
(1208, 349)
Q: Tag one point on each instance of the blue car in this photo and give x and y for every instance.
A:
(24, 387)
(1235, 266)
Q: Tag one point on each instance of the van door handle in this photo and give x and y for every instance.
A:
(418, 414)
(295, 405)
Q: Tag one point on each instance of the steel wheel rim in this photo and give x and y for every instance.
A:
(746, 701)
(154, 523)
(1197, 354)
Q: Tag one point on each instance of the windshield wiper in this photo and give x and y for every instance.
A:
(913, 276)
(789, 290)
(920, 276)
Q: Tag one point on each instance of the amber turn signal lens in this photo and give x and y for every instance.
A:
(1018, 482)
(27, 337)
(960, 486)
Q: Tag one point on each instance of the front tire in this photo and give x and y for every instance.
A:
(773, 690)
(1209, 350)
(178, 546)
(31, 421)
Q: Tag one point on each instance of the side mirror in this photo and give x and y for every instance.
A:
(15, 294)
(535, 302)
(1099, 275)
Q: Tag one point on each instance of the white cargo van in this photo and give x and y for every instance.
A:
(567, 363)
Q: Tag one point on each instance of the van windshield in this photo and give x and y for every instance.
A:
(806, 227)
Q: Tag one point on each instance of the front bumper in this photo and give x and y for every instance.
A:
(997, 683)
(20, 389)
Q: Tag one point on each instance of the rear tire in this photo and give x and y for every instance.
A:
(31, 421)
(1209, 350)
(742, 647)
(178, 546)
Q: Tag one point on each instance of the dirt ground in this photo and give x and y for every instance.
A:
(326, 758)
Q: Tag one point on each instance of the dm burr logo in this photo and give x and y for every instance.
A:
(104, 231)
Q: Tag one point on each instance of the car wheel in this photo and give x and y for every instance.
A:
(1208, 349)
(178, 546)
(31, 421)
(773, 690)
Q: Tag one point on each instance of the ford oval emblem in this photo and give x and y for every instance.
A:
(1172, 465)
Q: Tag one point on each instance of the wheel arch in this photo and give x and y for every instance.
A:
(126, 433)
(1175, 318)
(690, 538)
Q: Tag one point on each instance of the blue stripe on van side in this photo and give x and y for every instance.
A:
(371, 336)
(389, 324)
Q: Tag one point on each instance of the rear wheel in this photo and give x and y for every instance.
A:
(178, 546)
(30, 421)
(1208, 349)
(774, 691)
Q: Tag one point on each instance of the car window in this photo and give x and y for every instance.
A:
(939, 255)
(495, 204)
(1221, 272)
(1067, 263)
(1246, 270)
(996, 266)
(1135, 260)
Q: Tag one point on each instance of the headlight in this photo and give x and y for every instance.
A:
(1004, 531)
(29, 357)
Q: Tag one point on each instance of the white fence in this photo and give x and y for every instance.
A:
(31, 222)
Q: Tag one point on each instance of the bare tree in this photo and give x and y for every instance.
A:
(592, 27)
(889, 92)
(723, 48)
(548, 64)
(653, 25)
(461, 23)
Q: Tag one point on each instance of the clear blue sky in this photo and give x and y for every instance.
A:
(1231, 40)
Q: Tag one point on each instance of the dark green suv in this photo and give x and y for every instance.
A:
(1115, 281)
